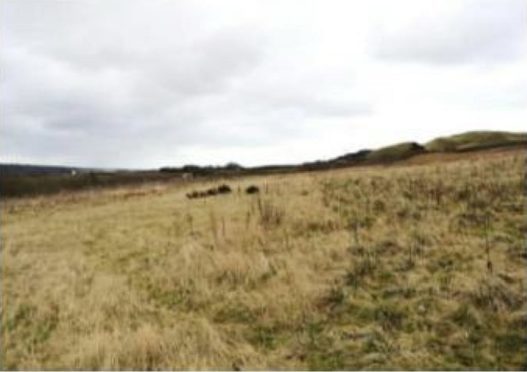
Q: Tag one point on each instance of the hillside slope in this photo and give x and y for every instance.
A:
(396, 152)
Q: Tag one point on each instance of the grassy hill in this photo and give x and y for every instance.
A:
(476, 140)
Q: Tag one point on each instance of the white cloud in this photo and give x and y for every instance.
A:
(450, 31)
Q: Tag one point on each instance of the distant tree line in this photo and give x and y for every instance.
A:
(203, 170)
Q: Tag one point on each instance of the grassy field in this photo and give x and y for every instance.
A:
(403, 267)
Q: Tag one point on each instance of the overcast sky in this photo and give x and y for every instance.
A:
(151, 83)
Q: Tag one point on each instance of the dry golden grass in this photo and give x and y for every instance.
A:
(414, 267)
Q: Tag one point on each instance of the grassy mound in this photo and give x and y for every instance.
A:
(396, 152)
(476, 140)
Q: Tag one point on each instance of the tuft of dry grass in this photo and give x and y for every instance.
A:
(403, 267)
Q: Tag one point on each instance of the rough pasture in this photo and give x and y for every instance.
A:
(410, 267)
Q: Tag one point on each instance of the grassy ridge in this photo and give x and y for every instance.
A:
(417, 267)
(476, 140)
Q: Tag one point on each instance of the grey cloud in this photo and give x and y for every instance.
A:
(485, 31)
(129, 84)
(305, 92)
(206, 66)
(85, 100)
(63, 94)
(314, 105)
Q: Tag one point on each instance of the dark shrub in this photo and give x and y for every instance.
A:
(224, 189)
(193, 194)
(252, 190)
(212, 192)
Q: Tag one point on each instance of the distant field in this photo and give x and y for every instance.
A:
(401, 267)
